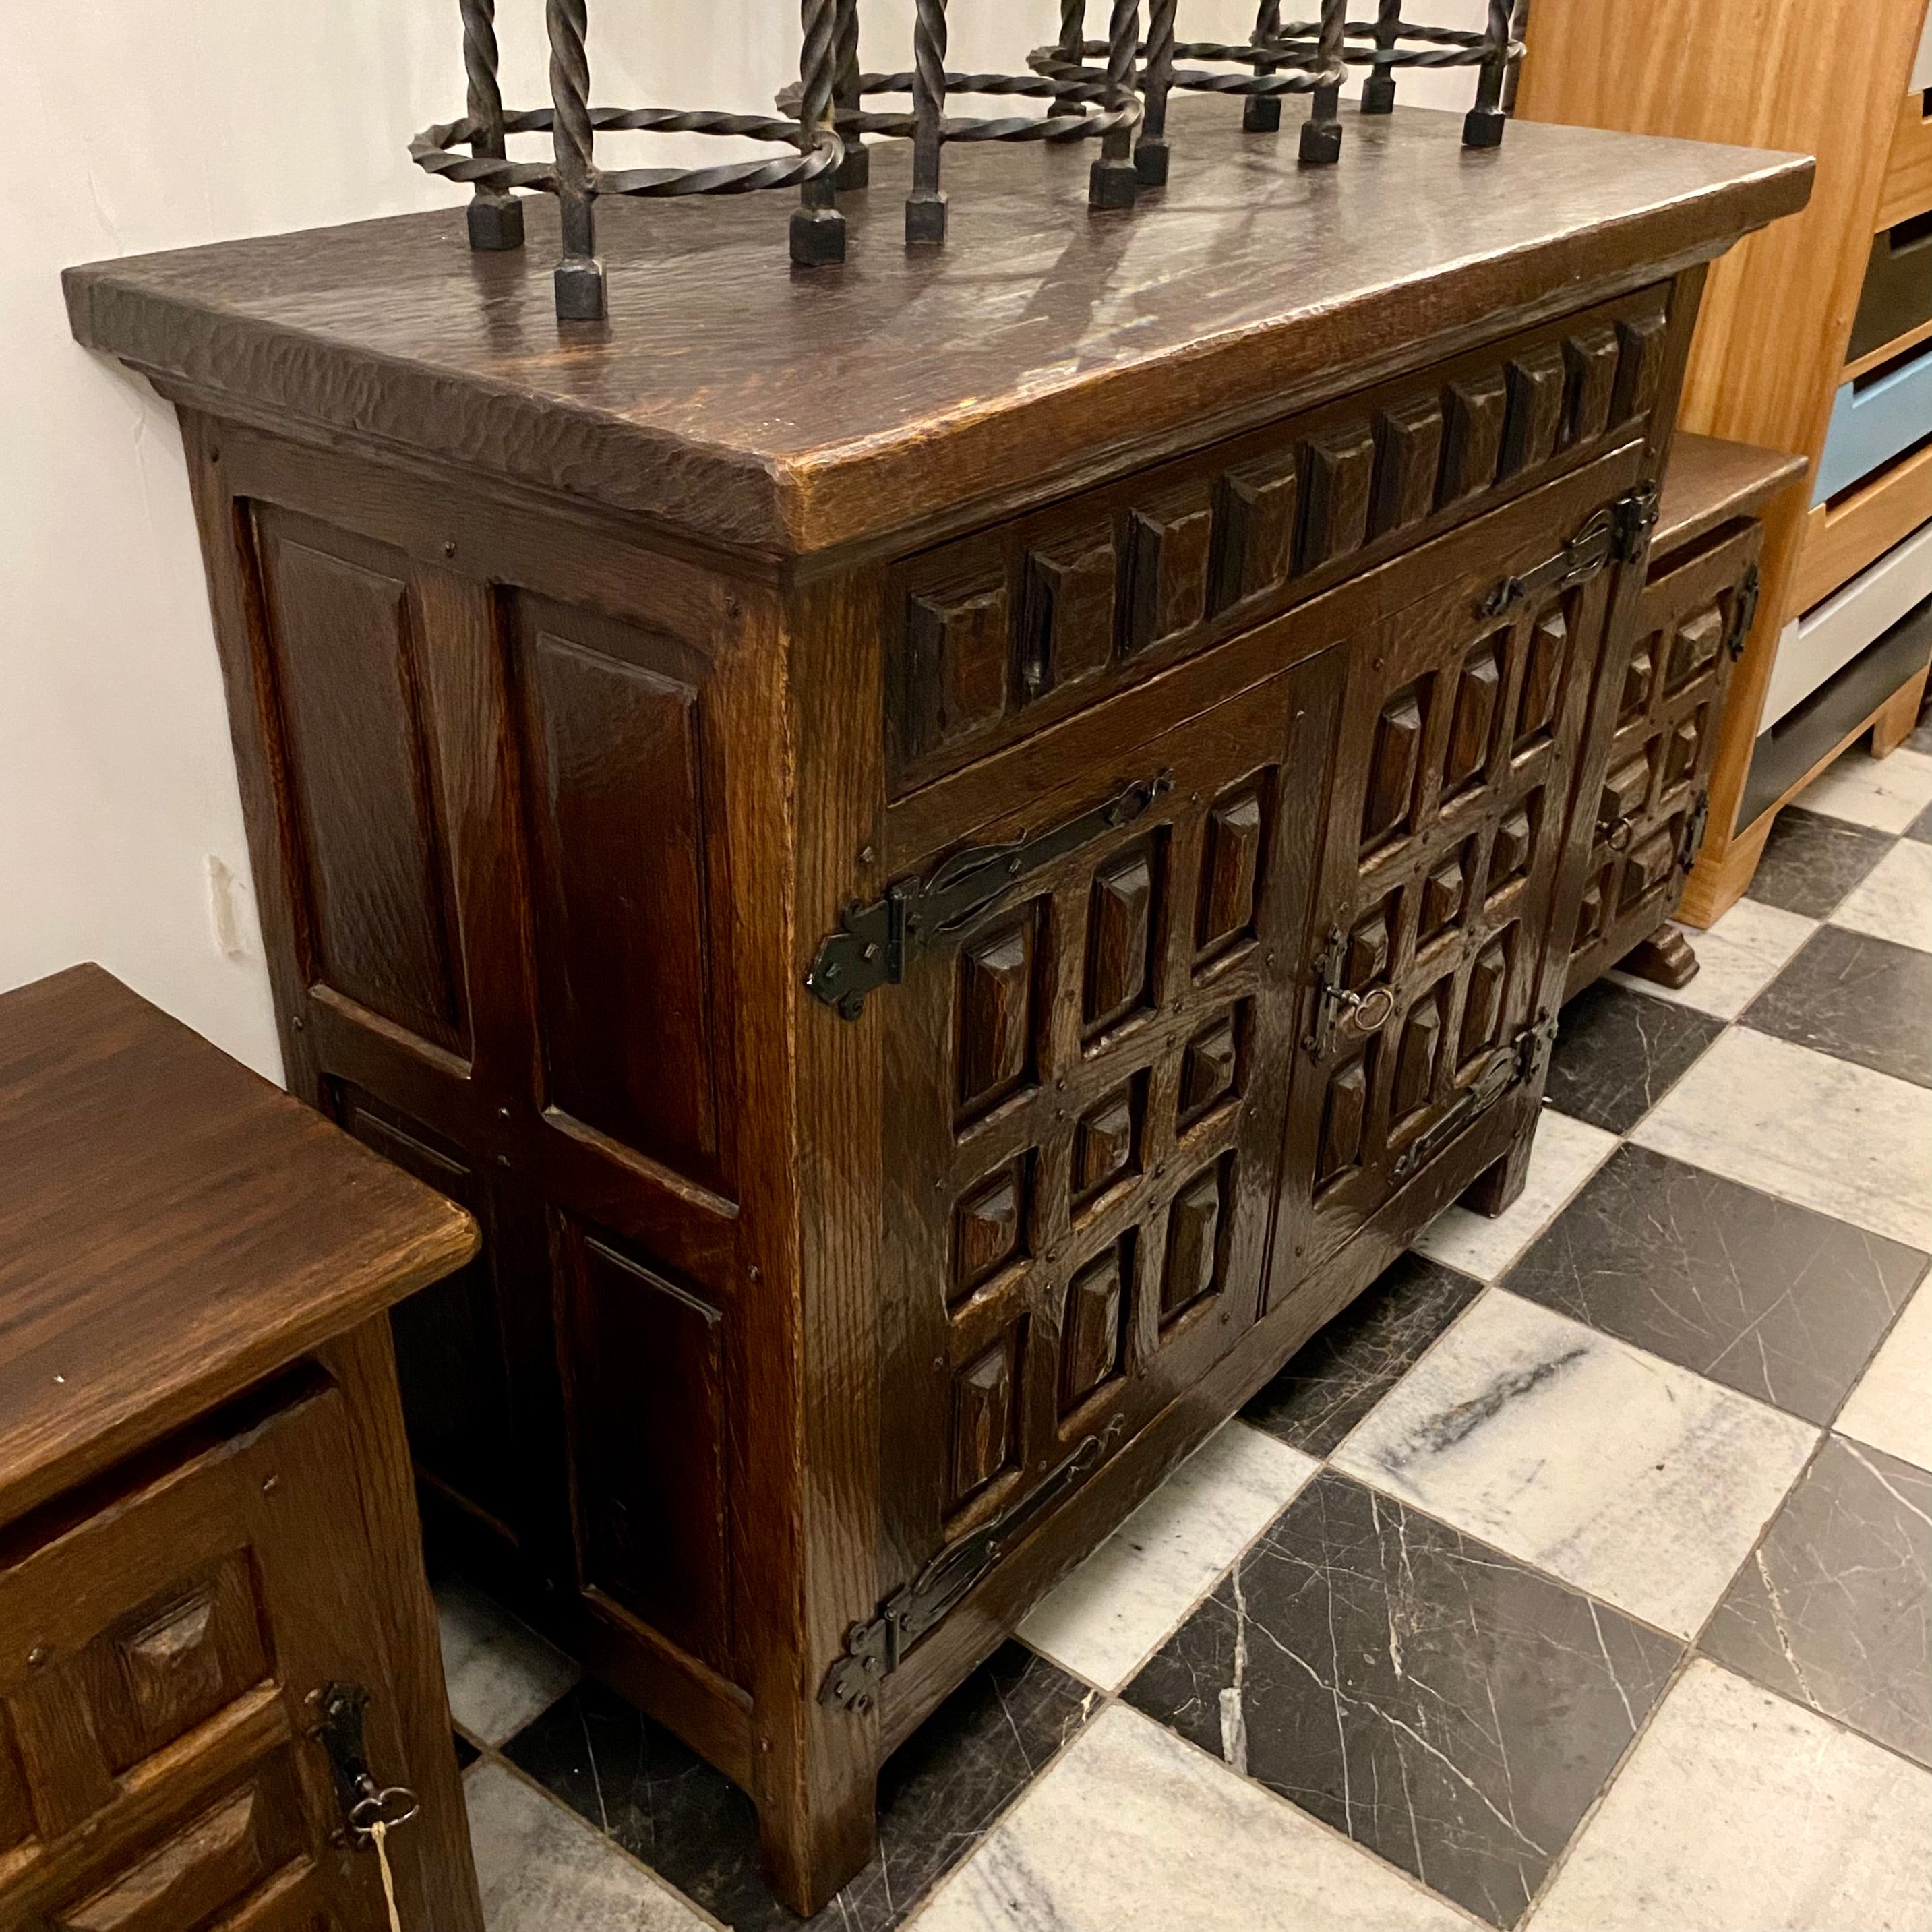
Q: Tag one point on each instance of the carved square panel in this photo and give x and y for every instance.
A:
(1231, 871)
(1196, 1222)
(1547, 647)
(1624, 792)
(1478, 406)
(1371, 943)
(989, 1226)
(1515, 843)
(956, 653)
(1694, 649)
(1255, 529)
(1681, 748)
(1648, 866)
(1395, 759)
(1210, 1069)
(1417, 1054)
(1445, 894)
(1591, 912)
(1338, 480)
(1483, 1003)
(1472, 723)
(1167, 567)
(1093, 1331)
(1066, 626)
(1536, 383)
(994, 1027)
(1121, 937)
(985, 1417)
(1591, 365)
(1344, 1118)
(1409, 461)
(1106, 1142)
(1639, 679)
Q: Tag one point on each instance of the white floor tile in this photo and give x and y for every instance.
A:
(541, 1868)
(1737, 958)
(1132, 1830)
(1885, 793)
(1894, 900)
(1567, 1152)
(1127, 1598)
(1633, 1479)
(1740, 1812)
(500, 1673)
(1798, 1123)
(1891, 1407)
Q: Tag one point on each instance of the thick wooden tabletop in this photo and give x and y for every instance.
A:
(1709, 481)
(172, 1228)
(782, 411)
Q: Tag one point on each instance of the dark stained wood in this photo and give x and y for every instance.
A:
(784, 413)
(1709, 481)
(184, 1564)
(776, 1305)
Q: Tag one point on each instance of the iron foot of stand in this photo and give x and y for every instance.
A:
(1261, 114)
(1112, 184)
(855, 170)
(580, 291)
(495, 223)
(817, 237)
(1321, 142)
(925, 217)
(1483, 127)
(1378, 94)
(1150, 164)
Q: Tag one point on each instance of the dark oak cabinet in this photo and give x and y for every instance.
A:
(949, 857)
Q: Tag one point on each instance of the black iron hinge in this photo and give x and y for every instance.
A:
(1743, 612)
(1618, 533)
(875, 944)
(1695, 823)
(1524, 1058)
(874, 1650)
(1334, 1007)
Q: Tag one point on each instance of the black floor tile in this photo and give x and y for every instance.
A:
(938, 1795)
(466, 1753)
(1860, 998)
(1337, 1378)
(1921, 827)
(1835, 1608)
(1758, 1293)
(1811, 861)
(1619, 1052)
(1441, 1704)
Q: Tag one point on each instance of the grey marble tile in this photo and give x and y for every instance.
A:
(500, 1672)
(1334, 1381)
(1885, 793)
(1920, 737)
(631, 1778)
(1739, 1812)
(1894, 900)
(1619, 1052)
(1447, 1707)
(1101, 1620)
(1624, 1475)
(540, 1868)
(1834, 1608)
(1857, 998)
(1793, 1122)
(1811, 861)
(1891, 1407)
(1921, 827)
(1133, 1831)
(1754, 1292)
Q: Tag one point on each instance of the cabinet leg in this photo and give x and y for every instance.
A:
(1665, 959)
(815, 1840)
(1899, 718)
(1495, 1191)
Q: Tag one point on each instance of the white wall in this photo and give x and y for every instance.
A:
(145, 127)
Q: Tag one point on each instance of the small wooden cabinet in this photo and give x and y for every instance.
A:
(949, 854)
(208, 1562)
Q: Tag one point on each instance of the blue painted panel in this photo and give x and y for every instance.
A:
(1872, 425)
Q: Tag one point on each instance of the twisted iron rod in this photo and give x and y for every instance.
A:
(854, 166)
(1378, 90)
(926, 206)
(496, 217)
(1150, 152)
(1321, 132)
(1112, 182)
(817, 228)
(1071, 43)
(1483, 127)
(1261, 114)
(580, 275)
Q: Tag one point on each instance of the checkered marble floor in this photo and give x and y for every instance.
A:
(1579, 1578)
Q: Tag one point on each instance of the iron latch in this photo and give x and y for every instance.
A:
(338, 1711)
(1617, 533)
(1508, 1067)
(1335, 1006)
(875, 944)
(874, 1650)
(1695, 823)
(1744, 611)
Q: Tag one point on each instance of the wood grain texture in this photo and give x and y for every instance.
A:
(1710, 481)
(773, 413)
(1908, 171)
(127, 1308)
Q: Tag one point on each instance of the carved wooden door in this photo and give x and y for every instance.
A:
(1085, 1094)
(155, 1767)
(1662, 714)
(1461, 726)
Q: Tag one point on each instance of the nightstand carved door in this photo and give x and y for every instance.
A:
(1085, 1096)
(1663, 713)
(1425, 1001)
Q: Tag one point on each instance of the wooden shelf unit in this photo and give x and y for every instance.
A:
(1830, 78)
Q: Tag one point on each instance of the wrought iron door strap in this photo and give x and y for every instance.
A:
(874, 1650)
(1509, 1066)
(875, 944)
(1743, 614)
(1697, 822)
(1337, 1007)
(1618, 533)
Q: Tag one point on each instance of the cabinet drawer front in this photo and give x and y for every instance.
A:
(1874, 421)
(155, 1770)
(1896, 298)
(992, 636)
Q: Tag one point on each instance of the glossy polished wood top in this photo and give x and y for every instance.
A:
(785, 413)
(173, 1228)
(1709, 481)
